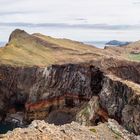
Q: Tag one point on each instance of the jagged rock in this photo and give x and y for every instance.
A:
(40, 91)
(119, 130)
(131, 118)
(121, 103)
(127, 71)
(39, 130)
(17, 34)
(92, 113)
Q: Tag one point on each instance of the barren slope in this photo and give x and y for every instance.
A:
(39, 130)
(25, 49)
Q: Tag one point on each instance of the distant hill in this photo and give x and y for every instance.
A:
(130, 51)
(117, 43)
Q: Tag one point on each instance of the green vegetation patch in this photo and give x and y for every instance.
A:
(93, 130)
(117, 134)
(117, 137)
(134, 57)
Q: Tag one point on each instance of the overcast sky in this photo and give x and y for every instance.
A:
(84, 20)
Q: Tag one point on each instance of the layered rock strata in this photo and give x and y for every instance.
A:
(77, 92)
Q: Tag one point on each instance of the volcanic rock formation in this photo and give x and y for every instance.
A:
(87, 90)
(65, 90)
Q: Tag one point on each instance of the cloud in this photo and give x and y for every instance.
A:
(136, 2)
(13, 13)
(89, 18)
(81, 19)
(76, 26)
(73, 11)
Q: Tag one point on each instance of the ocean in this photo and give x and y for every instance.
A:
(5, 127)
(2, 44)
(98, 44)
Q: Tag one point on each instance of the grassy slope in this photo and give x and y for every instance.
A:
(134, 57)
(134, 47)
(66, 43)
(25, 49)
(125, 52)
(25, 55)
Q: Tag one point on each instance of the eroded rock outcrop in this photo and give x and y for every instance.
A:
(36, 89)
(62, 87)
(115, 100)
(126, 70)
(15, 84)
(79, 92)
(122, 103)
(39, 130)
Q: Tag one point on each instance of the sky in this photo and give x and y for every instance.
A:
(83, 20)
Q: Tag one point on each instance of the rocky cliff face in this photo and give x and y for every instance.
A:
(75, 92)
(127, 72)
(115, 100)
(37, 89)
(15, 84)
(121, 103)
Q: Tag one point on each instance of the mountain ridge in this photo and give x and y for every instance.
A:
(37, 49)
(45, 50)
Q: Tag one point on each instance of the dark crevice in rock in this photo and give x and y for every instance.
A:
(96, 80)
(60, 117)
(19, 106)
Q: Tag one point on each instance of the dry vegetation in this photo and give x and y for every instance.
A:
(25, 49)
(37, 49)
